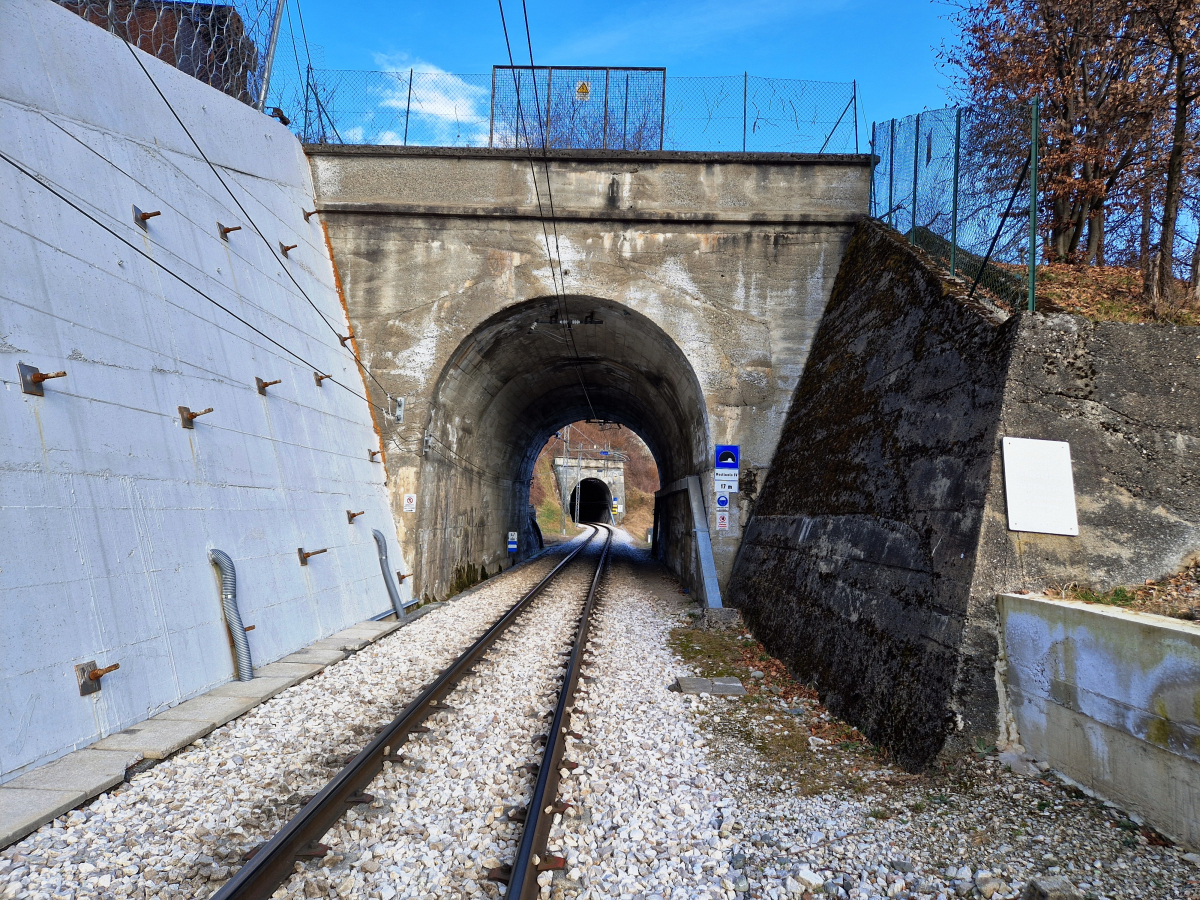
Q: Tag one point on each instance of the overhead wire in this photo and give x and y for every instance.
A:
(250, 219)
(560, 295)
(45, 182)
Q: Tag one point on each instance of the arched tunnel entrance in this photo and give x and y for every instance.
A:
(591, 501)
(516, 379)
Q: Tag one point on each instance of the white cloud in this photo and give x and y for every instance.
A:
(444, 109)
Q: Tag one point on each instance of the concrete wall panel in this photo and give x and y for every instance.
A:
(109, 505)
(1111, 700)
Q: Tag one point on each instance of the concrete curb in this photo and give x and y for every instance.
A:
(39, 796)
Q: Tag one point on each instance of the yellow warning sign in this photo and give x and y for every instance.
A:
(583, 91)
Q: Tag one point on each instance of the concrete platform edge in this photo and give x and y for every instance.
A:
(24, 808)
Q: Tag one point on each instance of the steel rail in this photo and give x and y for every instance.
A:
(273, 862)
(531, 854)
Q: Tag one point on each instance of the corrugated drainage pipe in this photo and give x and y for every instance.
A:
(233, 618)
(381, 544)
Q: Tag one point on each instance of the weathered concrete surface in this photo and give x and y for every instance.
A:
(697, 282)
(108, 506)
(716, 687)
(856, 567)
(1111, 699)
(1127, 399)
(568, 473)
(880, 540)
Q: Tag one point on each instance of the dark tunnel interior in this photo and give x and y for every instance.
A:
(511, 384)
(591, 501)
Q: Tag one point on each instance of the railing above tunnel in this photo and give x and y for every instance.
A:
(570, 107)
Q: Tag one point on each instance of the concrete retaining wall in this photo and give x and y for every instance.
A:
(1111, 699)
(1126, 398)
(874, 556)
(107, 505)
(856, 564)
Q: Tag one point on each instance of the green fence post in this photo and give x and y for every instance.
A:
(954, 193)
(745, 105)
(912, 234)
(1033, 194)
(892, 173)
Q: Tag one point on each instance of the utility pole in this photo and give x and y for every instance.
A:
(578, 481)
(562, 506)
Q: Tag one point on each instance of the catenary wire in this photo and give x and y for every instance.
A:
(249, 219)
(550, 194)
(560, 295)
(47, 185)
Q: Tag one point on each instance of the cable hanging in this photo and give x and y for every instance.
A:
(48, 185)
(249, 219)
(560, 295)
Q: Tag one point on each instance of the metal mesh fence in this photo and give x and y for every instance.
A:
(946, 182)
(577, 108)
(407, 107)
(764, 115)
(631, 109)
(221, 44)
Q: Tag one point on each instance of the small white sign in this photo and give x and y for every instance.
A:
(725, 482)
(1039, 486)
(722, 521)
(410, 502)
(722, 501)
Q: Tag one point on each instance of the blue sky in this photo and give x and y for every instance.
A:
(889, 47)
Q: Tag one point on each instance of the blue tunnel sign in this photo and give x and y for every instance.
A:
(728, 457)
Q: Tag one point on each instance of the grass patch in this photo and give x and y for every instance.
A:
(756, 720)
(1118, 596)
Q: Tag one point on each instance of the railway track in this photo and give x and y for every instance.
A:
(273, 863)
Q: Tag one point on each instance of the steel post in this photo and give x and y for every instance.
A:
(271, 42)
(892, 174)
(662, 113)
(912, 234)
(408, 106)
(954, 193)
(745, 104)
(871, 200)
(854, 97)
(1033, 194)
(491, 110)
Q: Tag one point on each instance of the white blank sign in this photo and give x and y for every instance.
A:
(1039, 486)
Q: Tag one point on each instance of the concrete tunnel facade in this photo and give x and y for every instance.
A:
(694, 282)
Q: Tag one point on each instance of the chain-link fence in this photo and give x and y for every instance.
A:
(221, 44)
(761, 115)
(577, 107)
(630, 109)
(404, 108)
(959, 188)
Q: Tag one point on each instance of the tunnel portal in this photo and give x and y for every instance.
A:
(693, 282)
(591, 501)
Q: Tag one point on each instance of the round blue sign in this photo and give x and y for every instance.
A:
(722, 501)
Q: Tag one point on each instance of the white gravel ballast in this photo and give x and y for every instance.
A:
(654, 811)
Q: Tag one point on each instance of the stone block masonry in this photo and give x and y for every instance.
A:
(880, 540)
(857, 563)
